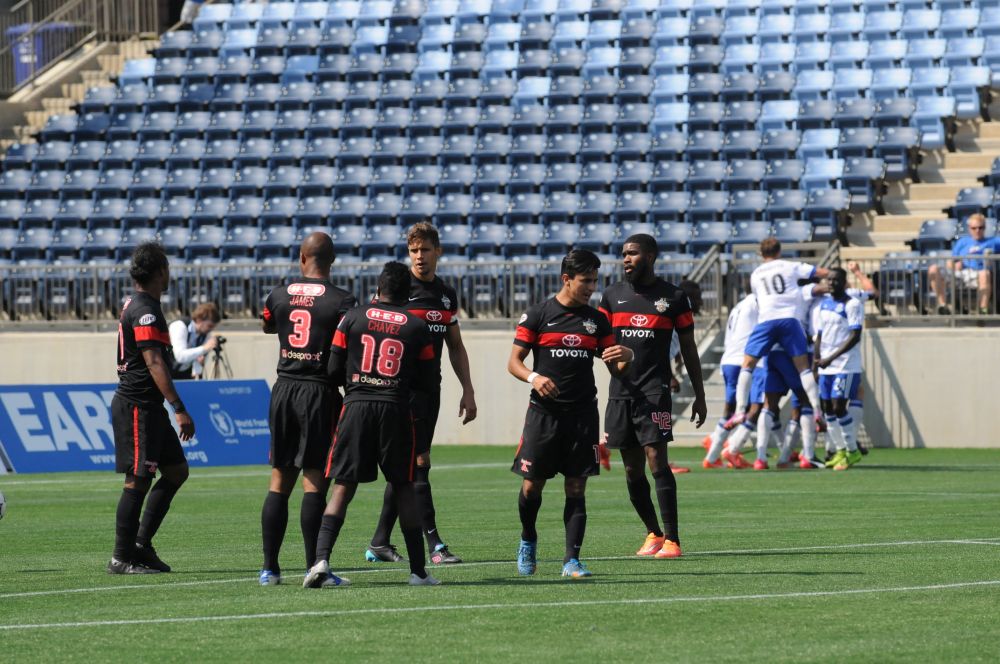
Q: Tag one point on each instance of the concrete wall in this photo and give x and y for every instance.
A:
(924, 388)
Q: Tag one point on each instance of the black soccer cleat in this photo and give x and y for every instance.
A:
(146, 556)
(383, 554)
(116, 566)
(442, 556)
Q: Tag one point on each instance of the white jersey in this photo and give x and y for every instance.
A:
(806, 305)
(742, 320)
(836, 321)
(776, 285)
(859, 294)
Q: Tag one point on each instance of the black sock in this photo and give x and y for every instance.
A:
(666, 496)
(273, 522)
(425, 505)
(575, 518)
(387, 519)
(638, 493)
(310, 518)
(328, 532)
(415, 550)
(156, 509)
(127, 523)
(528, 509)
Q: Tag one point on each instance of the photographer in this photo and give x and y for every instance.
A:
(191, 341)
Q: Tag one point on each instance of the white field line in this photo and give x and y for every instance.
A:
(264, 472)
(507, 606)
(352, 572)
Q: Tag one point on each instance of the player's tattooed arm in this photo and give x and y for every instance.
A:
(544, 385)
(160, 374)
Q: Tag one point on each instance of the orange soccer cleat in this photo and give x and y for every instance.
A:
(651, 546)
(679, 470)
(735, 460)
(760, 465)
(705, 463)
(604, 454)
(669, 550)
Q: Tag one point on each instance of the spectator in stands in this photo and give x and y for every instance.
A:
(191, 341)
(968, 267)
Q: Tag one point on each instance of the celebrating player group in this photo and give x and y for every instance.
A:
(386, 357)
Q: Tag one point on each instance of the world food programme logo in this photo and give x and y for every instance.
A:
(590, 326)
(639, 320)
(223, 423)
(661, 305)
(446, 302)
(572, 340)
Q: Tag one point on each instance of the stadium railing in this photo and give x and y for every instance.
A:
(46, 32)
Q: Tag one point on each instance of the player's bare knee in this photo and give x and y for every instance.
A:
(424, 460)
(532, 488)
(138, 483)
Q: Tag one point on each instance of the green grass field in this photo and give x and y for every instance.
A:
(895, 560)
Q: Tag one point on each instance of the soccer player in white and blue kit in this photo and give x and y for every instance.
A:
(839, 319)
(776, 287)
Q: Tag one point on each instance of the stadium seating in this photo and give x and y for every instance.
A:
(573, 116)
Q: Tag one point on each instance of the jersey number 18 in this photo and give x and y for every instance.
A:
(390, 356)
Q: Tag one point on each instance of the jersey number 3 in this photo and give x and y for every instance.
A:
(302, 319)
(390, 356)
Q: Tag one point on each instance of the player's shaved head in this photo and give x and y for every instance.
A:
(647, 243)
(317, 250)
(770, 247)
(394, 283)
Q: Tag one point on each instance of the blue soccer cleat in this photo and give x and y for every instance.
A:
(269, 578)
(526, 563)
(334, 581)
(575, 569)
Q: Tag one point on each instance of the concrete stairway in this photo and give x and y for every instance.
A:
(907, 204)
(64, 86)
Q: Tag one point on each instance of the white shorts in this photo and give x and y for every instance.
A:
(967, 276)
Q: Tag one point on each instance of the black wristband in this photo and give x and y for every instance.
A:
(178, 406)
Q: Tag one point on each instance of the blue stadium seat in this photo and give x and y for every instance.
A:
(277, 242)
(858, 142)
(890, 83)
(863, 179)
(560, 206)
(775, 57)
(20, 155)
(597, 237)
(209, 211)
(744, 174)
(416, 207)
(935, 235)
(595, 207)
(856, 112)
(958, 23)
(73, 213)
(827, 209)
(176, 211)
(141, 212)
(707, 234)
(707, 206)
(631, 206)
(886, 53)
(381, 240)
(205, 243)
(666, 206)
(244, 211)
(454, 207)
(935, 117)
(790, 231)
(816, 114)
(558, 237)
(972, 200)
(489, 238)
(970, 88)
(924, 52)
(705, 175)
(818, 143)
(13, 183)
(898, 147)
(786, 204)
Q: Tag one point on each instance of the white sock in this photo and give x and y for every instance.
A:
(738, 438)
(764, 425)
(856, 410)
(808, 427)
(809, 385)
(835, 432)
(847, 425)
(718, 441)
(791, 429)
(743, 389)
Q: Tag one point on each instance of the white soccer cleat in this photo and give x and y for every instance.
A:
(317, 575)
(426, 581)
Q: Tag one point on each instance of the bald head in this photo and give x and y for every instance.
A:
(316, 254)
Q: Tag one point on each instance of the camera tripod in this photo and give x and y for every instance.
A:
(220, 366)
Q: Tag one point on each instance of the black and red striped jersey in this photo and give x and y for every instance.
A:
(437, 304)
(382, 352)
(140, 326)
(644, 319)
(564, 342)
(305, 314)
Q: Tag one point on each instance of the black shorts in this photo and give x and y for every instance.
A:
(638, 422)
(373, 435)
(425, 407)
(144, 438)
(559, 442)
(303, 415)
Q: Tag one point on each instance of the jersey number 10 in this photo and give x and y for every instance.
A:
(777, 283)
(390, 356)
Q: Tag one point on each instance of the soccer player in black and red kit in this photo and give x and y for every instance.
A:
(380, 352)
(561, 433)
(304, 402)
(437, 303)
(645, 311)
(145, 441)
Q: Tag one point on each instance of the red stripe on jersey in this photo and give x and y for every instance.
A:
(647, 321)
(685, 320)
(606, 342)
(525, 335)
(135, 440)
(339, 339)
(151, 334)
(562, 340)
(333, 443)
(607, 314)
(266, 314)
(426, 353)
(434, 315)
